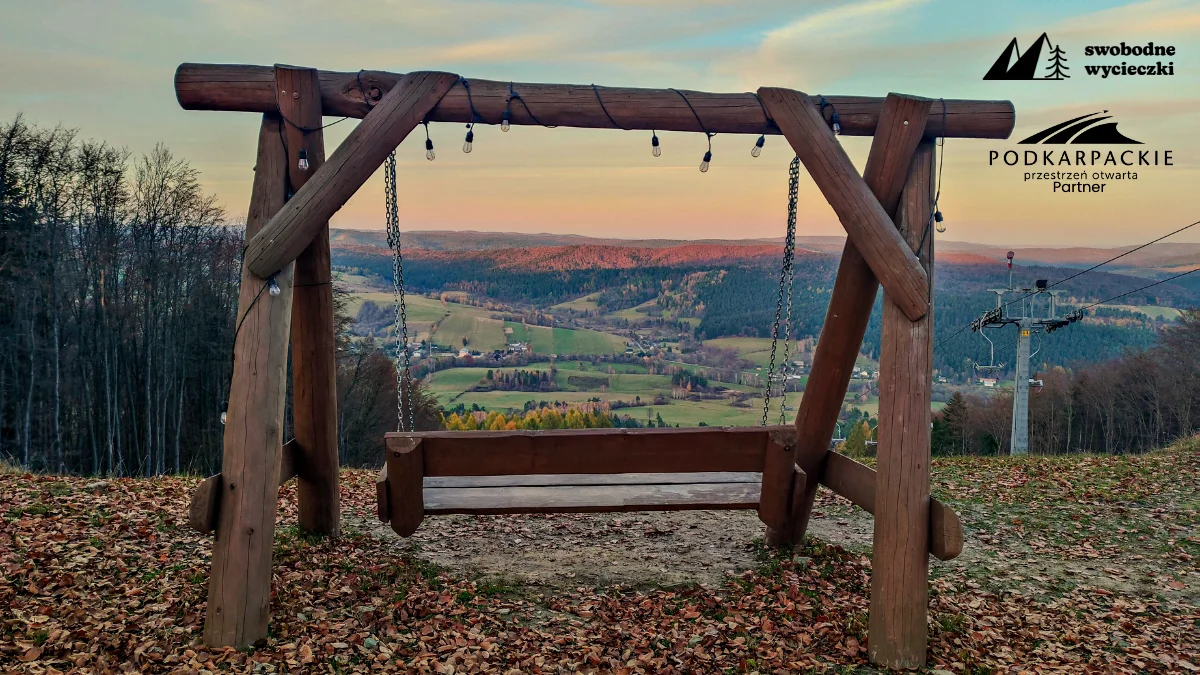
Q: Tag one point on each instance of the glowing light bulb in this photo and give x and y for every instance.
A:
(758, 145)
(429, 154)
(704, 164)
(223, 417)
(272, 287)
(656, 150)
(303, 163)
(938, 222)
(470, 138)
(504, 125)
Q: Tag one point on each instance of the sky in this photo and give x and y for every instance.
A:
(106, 69)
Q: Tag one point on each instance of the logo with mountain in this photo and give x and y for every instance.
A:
(1084, 129)
(1013, 65)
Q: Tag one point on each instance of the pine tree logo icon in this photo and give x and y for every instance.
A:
(1013, 65)
(1057, 67)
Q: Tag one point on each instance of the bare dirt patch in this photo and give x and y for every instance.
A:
(569, 550)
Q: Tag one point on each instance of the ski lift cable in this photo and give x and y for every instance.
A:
(1142, 288)
(1098, 265)
(1077, 274)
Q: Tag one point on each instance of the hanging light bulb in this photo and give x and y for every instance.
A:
(272, 287)
(303, 163)
(938, 222)
(224, 412)
(429, 154)
(707, 159)
(757, 149)
(470, 138)
(655, 149)
(837, 124)
(504, 125)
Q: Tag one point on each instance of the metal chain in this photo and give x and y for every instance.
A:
(787, 325)
(785, 282)
(403, 366)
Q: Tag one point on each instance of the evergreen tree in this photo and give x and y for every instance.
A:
(955, 416)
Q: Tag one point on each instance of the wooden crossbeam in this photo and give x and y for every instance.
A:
(902, 124)
(202, 86)
(867, 223)
(292, 229)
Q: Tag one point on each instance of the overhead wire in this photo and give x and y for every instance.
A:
(1081, 273)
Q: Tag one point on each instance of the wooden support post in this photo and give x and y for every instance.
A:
(356, 159)
(405, 479)
(900, 559)
(314, 368)
(778, 477)
(867, 224)
(901, 126)
(239, 590)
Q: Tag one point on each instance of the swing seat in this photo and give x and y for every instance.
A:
(591, 493)
(618, 470)
(586, 471)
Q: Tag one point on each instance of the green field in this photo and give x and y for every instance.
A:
(587, 302)
(545, 340)
(482, 333)
(633, 314)
(754, 349)
(1152, 311)
(519, 334)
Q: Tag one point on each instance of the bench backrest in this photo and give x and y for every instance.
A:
(594, 451)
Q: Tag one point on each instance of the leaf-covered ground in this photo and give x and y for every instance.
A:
(1079, 564)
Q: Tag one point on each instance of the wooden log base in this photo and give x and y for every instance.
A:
(856, 482)
(204, 507)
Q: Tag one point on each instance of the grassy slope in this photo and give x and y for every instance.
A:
(1075, 564)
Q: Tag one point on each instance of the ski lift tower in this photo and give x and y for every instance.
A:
(1022, 313)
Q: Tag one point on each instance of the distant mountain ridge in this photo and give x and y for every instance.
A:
(1162, 256)
(587, 256)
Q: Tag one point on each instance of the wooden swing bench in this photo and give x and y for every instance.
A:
(887, 210)
(618, 470)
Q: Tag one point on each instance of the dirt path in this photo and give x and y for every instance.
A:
(663, 549)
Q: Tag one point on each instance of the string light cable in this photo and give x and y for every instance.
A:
(272, 287)
(707, 134)
(835, 120)
(762, 137)
(599, 100)
(514, 96)
(467, 144)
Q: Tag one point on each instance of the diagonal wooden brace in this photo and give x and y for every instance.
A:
(291, 230)
(901, 126)
(867, 223)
